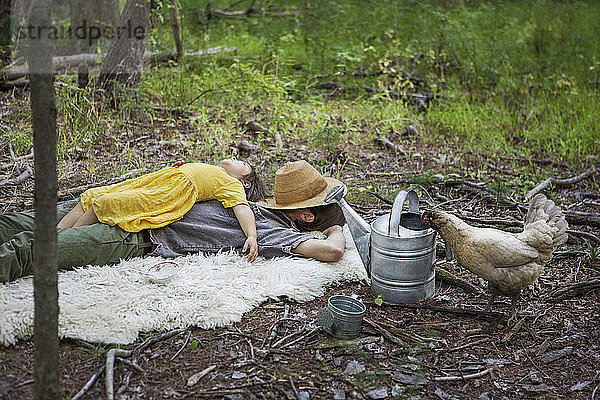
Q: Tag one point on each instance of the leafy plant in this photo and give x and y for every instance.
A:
(593, 251)
(378, 301)
(326, 138)
(95, 350)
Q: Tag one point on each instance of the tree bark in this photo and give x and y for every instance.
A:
(5, 53)
(45, 281)
(122, 67)
(92, 14)
(176, 26)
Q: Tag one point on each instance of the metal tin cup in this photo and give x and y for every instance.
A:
(343, 317)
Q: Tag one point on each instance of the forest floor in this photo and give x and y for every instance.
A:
(551, 350)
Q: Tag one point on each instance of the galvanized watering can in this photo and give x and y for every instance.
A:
(396, 249)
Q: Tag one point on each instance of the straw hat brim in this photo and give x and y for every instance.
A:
(315, 201)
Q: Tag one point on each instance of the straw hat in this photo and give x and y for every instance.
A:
(299, 185)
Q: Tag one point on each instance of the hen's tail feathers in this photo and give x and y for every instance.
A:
(540, 208)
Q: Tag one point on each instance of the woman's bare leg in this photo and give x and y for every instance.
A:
(69, 220)
(88, 218)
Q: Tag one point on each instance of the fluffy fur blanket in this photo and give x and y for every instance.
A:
(113, 304)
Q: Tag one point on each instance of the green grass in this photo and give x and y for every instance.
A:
(511, 77)
(516, 77)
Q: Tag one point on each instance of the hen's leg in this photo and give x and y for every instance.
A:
(513, 309)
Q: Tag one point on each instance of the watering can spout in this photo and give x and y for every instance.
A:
(359, 228)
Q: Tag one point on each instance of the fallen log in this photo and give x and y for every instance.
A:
(447, 277)
(62, 63)
(489, 316)
(26, 173)
(576, 289)
(80, 189)
(585, 235)
(250, 12)
(389, 145)
(559, 183)
(581, 218)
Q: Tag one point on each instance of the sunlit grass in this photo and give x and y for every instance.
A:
(512, 77)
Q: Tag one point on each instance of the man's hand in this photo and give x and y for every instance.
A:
(252, 246)
(335, 228)
(329, 250)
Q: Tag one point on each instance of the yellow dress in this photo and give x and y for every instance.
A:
(162, 197)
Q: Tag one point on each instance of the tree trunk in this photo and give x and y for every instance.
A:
(5, 53)
(45, 281)
(93, 16)
(176, 25)
(122, 67)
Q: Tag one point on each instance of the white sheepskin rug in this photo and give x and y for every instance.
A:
(114, 303)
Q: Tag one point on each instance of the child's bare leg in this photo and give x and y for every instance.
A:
(71, 218)
(89, 218)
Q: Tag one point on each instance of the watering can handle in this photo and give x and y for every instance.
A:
(396, 214)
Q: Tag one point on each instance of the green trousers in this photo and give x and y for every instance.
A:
(96, 244)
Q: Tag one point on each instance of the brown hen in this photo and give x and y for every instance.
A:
(507, 261)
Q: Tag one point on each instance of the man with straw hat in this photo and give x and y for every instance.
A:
(300, 192)
(298, 205)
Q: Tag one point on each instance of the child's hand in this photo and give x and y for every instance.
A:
(252, 246)
(178, 163)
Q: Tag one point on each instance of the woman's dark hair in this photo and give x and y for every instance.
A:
(325, 217)
(257, 190)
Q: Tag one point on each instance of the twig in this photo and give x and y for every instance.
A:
(235, 3)
(582, 218)
(153, 339)
(302, 337)
(11, 164)
(295, 333)
(196, 377)
(559, 182)
(110, 370)
(11, 151)
(586, 235)
(392, 146)
(445, 276)
(251, 347)
(575, 289)
(489, 316)
(380, 197)
(182, 347)
(24, 383)
(131, 364)
(27, 173)
(385, 333)
(464, 346)
(273, 331)
(245, 145)
(124, 382)
(294, 388)
(345, 342)
(493, 221)
(462, 377)
(89, 383)
(513, 330)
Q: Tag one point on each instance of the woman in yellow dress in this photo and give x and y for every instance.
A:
(162, 197)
